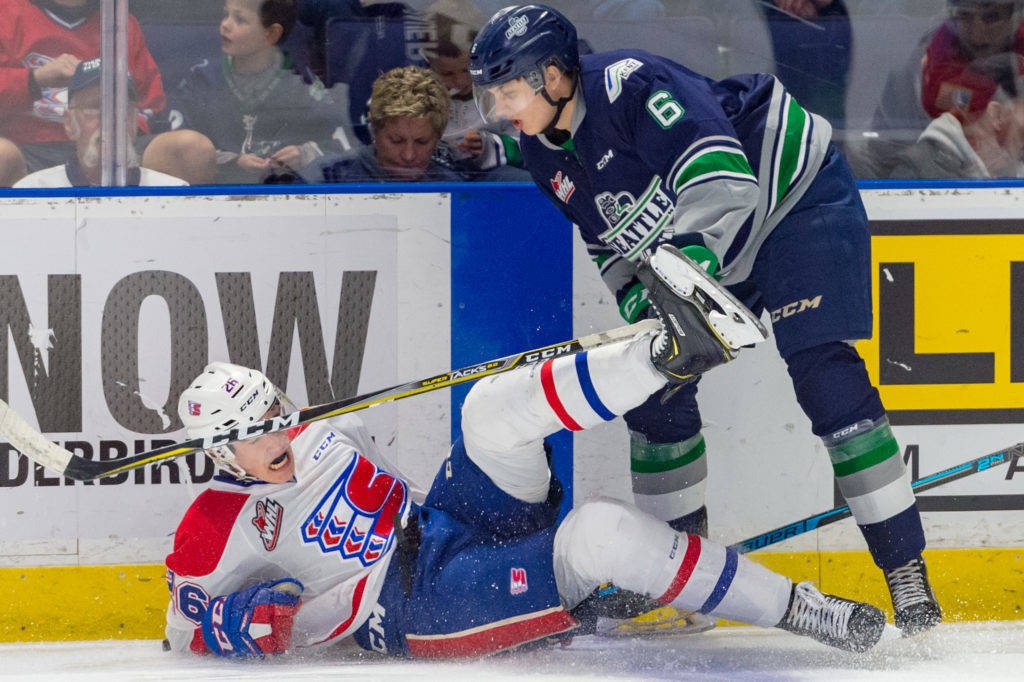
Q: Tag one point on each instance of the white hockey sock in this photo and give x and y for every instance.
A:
(586, 389)
(609, 541)
(506, 417)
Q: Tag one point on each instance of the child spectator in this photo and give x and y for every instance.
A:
(82, 125)
(263, 119)
(41, 45)
(408, 113)
(478, 150)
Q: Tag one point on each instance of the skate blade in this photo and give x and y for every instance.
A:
(666, 621)
(734, 324)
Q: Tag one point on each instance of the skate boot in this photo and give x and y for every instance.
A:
(703, 325)
(912, 598)
(838, 622)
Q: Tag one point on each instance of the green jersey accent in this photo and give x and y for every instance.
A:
(793, 145)
(512, 151)
(719, 161)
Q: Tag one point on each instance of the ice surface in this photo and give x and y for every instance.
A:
(965, 651)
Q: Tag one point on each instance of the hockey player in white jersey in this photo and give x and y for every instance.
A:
(309, 537)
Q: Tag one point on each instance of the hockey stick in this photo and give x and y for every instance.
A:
(34, 445)
(927, 483)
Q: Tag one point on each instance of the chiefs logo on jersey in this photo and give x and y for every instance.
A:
(355, 517)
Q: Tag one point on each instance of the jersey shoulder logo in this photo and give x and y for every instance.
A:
(563, 186)
(269, 515)
(615, 73)
(356, 516)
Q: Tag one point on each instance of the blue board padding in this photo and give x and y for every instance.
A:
(511, 286)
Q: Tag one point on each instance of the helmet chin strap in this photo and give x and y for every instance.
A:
(558, 135)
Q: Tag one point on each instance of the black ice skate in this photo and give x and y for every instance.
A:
(838, 622)
(912, 598)
(703, 324)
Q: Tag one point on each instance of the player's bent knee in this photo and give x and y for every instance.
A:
(489, 417)
(585, 548)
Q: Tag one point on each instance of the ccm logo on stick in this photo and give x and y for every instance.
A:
(549, 353)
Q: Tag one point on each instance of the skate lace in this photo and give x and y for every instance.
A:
(660, 342)
(817, 612)
(907, 586)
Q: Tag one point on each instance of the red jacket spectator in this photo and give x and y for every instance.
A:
(950, 81)
(29, 38)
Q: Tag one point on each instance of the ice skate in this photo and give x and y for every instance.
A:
(703, 324)
(838, 622)
(912, 598)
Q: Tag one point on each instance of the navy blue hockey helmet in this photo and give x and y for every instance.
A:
(519, 42)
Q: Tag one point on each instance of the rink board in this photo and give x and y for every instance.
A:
(439, 277)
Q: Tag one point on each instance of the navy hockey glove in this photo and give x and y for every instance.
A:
(253, 622)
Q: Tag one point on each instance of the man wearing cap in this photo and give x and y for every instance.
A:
(82, 123)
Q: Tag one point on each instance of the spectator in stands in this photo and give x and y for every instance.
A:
(478, 150)
(812, 44)
(263, 119)
(408, 113)
(989, 144)
(41, 44)
(977, 52)
(81, 120)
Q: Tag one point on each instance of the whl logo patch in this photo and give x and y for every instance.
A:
(355, 517)
(563, 186)
(269, 515)
(517, 583)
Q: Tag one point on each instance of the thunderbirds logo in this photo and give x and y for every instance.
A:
(634, 224)
(356, 516)
(516, 26)
(563, 186)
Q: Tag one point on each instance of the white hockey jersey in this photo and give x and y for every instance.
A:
(331, 528)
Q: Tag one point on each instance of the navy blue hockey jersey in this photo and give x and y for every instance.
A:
(660, 153)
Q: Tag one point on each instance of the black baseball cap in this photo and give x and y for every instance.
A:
(88, 72)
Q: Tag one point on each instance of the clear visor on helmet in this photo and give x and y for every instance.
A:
(224, 455)
(507, 101)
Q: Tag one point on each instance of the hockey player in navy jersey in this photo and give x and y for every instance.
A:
(309, 537)
(638, 151)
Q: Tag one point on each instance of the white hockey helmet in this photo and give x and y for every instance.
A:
(222, 397)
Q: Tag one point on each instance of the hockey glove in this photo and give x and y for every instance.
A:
(633, 301)
(253, 622)
(704, 257)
